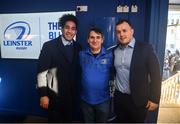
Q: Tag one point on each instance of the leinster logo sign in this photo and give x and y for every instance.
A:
(16, 34)
(22, 35)
(17, 30)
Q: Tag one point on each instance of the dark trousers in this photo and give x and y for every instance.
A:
(95, 113)
(59, 112)
(126, 111)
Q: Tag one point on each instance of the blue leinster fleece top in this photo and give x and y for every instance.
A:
(95, 76)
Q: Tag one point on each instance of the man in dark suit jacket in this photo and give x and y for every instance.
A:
(57, 73)
(138, 80)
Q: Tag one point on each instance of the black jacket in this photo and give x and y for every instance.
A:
(145, 78)
(57, 76)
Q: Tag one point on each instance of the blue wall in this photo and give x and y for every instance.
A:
(18, 84)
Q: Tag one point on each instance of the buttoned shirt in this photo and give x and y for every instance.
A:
(122, 62)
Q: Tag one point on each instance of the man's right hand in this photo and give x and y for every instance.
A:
(44, 102)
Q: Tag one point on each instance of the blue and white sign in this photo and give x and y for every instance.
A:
(22, 35)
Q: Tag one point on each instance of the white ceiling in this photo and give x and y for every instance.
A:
(174, 1)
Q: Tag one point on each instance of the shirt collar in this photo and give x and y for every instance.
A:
(66, 42)
(131, 43)
(103, 51)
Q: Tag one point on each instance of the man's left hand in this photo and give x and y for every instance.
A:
(151, 106)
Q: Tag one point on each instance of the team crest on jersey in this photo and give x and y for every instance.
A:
(103, 61)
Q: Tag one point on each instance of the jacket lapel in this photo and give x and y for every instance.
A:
(75, 51)
(134, 60)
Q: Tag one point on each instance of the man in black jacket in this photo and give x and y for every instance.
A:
(57, 73)
(138, 80)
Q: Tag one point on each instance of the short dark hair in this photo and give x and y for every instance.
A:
(97, 30)
(124, 20)
(67, 17)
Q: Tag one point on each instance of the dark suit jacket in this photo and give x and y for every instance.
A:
(63, 72)
(145, 79)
